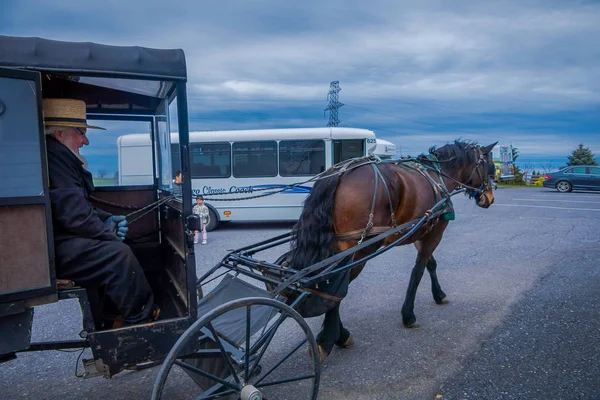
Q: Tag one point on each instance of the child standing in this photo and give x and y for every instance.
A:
(201, 210)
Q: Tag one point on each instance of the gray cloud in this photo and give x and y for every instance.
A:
(415, 61)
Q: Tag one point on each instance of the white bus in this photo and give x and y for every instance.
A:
(228, 165)
(385, 150)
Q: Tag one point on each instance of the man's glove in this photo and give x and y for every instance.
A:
(118, 225)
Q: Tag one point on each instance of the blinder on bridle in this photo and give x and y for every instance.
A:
(480, 174)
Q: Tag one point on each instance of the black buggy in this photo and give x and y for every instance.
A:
(245, 338)
(130, 84)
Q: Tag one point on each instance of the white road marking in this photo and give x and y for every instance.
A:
(562, 201)
(557, 208)
(567, 195)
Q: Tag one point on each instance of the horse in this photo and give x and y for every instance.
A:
(360, 198)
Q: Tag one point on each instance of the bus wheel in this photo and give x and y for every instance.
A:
(213, 221)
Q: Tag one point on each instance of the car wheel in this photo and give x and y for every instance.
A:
(213, 221)
(564, 187)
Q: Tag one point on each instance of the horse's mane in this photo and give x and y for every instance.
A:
(454, 155)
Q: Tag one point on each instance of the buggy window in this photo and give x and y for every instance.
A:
(114, 162)
(255, 159)
(20, 161)
(301, 157)
(164, 152)
(174, 128)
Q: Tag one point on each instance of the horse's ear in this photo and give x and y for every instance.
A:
(487, 149)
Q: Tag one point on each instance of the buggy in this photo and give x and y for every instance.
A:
(123, 84)
(238, 330)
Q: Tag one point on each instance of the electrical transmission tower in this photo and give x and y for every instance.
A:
(334, 103)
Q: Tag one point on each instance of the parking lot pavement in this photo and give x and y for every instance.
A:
(501, 268)
(547, 347)
(548, 199)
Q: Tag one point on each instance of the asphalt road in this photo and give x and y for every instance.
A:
(522, 322)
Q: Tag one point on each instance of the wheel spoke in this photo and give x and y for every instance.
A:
(265, 343)
(225, 355)
(207, 375)
(282, 360)
(217, 395)
(281, 381)
(247, 358)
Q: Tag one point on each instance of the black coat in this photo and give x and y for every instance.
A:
(87, 252)
(70, 188)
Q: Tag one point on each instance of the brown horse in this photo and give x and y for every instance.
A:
(361, 199)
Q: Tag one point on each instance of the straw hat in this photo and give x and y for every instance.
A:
(66, 112)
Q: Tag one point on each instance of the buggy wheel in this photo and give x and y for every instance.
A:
(263, 356)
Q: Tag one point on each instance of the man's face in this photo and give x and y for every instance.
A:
(178, 179)
(73, 138)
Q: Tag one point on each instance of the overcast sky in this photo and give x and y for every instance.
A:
(417, 73)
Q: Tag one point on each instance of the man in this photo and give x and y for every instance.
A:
(178, 184)
(88, 241)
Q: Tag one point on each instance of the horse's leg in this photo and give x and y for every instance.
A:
(345, 340)
(425, 248)
(408, 315)
(330, 333)
(333, 331)
(438, 294)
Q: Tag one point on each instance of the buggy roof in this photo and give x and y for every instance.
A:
(91, 58)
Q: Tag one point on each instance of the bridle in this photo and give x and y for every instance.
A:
(480, 171)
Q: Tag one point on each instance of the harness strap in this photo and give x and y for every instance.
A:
(371, 215)
(324, 295)
(374, 231)
(331, 262)
(389, 196)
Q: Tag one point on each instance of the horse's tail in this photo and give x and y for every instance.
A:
(313, 233)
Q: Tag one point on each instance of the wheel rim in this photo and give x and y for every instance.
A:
(563, 186)
(248, 382)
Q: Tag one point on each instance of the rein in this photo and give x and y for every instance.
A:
(472, 191)
(138, 212)
(439, 188)
(330, 266)
(337, 169)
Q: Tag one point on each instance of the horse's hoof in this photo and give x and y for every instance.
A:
(322, 353)
(412, 325)
(348, 343)
(443, 301)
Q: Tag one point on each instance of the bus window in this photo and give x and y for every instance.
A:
(346, 149)
(301, 157)
(254, 159)
(211, 160)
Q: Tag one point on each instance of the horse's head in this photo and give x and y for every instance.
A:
(479, 175)
(468, 165)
